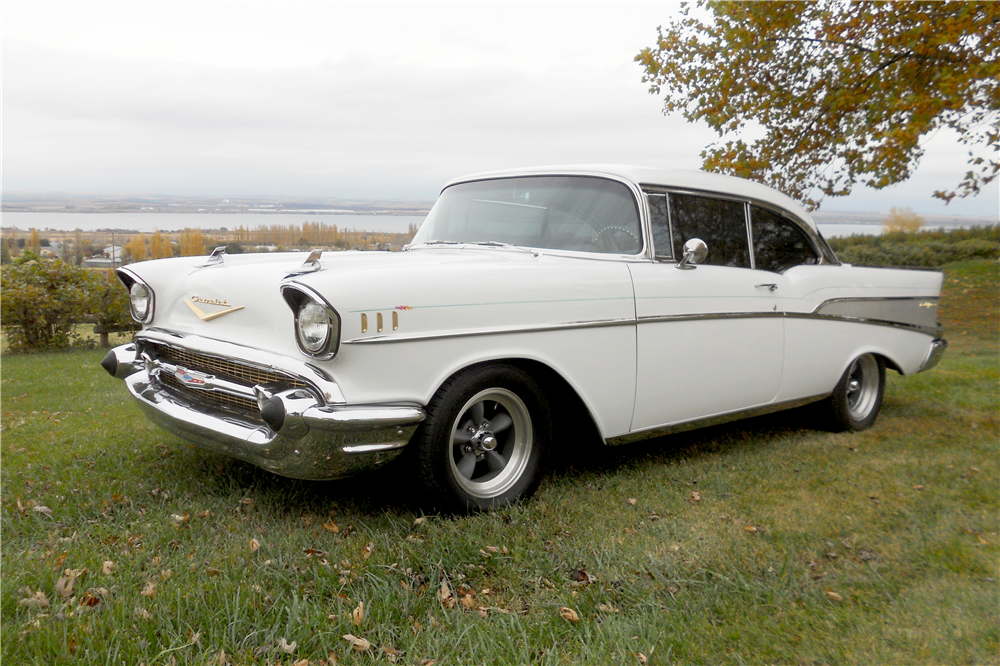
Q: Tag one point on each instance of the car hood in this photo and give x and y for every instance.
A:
(464, 289)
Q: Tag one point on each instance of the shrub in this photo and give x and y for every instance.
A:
(931, 249)
(41, 301)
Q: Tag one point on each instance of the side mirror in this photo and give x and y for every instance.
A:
(695, 251)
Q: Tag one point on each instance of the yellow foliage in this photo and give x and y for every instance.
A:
(902, 220)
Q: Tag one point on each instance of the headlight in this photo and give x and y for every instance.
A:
(314, 326)
(140, 298)
(317, 324)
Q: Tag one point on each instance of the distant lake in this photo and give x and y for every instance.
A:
(148, 222)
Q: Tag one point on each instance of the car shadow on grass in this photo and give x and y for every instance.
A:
(392, 490)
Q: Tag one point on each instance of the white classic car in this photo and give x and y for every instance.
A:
(645, 301)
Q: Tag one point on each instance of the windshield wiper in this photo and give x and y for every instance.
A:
(534, 253)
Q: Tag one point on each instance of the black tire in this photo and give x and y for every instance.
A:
(856, 401)
(464, 466)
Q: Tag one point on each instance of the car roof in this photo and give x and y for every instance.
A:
(684, 179)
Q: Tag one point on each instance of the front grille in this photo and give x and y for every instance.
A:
(230, 370)
(217, 399)
(224, 368)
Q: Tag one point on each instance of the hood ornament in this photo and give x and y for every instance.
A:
(310, 265)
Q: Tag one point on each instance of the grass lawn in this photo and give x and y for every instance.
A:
(757, 542)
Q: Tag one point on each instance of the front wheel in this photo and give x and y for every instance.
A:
(856, 401)
(482, 445)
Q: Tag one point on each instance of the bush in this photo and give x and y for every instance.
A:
(41, 302)
(930, 249)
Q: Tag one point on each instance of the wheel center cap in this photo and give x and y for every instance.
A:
(488, 442)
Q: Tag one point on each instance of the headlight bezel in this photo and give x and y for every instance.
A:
(131, 281)
(299, 297)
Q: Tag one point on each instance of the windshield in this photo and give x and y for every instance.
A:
(554, 212)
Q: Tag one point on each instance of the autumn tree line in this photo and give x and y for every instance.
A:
(78, 246)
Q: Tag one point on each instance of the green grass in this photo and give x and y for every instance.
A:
(804, 548)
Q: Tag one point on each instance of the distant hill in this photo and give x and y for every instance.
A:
(930, 221)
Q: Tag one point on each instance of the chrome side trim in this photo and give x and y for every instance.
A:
(672, 428)
(508, 330)
(652, 319)
(916, 312)
(933, 331)
(647, 319)
(325, 387)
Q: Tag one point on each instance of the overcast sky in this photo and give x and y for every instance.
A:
(351, 100)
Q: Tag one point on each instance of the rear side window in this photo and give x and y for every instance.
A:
(719, 222)
(778, 244)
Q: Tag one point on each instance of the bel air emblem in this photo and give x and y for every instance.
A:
(927, 304)
(192, 378)
(209, 316)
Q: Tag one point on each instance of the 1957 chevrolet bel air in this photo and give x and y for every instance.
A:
(653, 300)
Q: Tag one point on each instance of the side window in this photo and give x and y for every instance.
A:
(777, 243)
(718, 222)
(660, 225)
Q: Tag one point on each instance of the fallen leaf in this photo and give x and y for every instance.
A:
(287, 647)
(180, 518)
(206, 514)
(34, 599)
(358, 614)
(428, 662)
(832, 596)
(94, 596)
(359, 644)
(632, 501)
(569, 614)
(41, 508)
(607, 608)
(143, 614)
(366, 553)
(155, 562)
(750, 528)
(107, 567)
(331, 527)
(64, 586)
(254, 545)
(445, 595)
(149, 590)
(391, 654)
(420, 520)
(695, 496)
(641, 657)
(301, 662)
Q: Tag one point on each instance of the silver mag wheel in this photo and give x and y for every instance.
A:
(491, 443)
(856, 401)
(484, 440)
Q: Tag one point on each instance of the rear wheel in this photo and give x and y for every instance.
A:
(484, 439)
(856, 401)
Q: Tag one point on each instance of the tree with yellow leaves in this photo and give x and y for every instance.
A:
(902, 220)
(136, 248)
(192, 244)
(159, 246)
(844, 91)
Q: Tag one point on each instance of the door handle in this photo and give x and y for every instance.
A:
(770, 285)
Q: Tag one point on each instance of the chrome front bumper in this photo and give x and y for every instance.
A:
(302, 437)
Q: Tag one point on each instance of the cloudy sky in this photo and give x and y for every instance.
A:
(373, 100)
